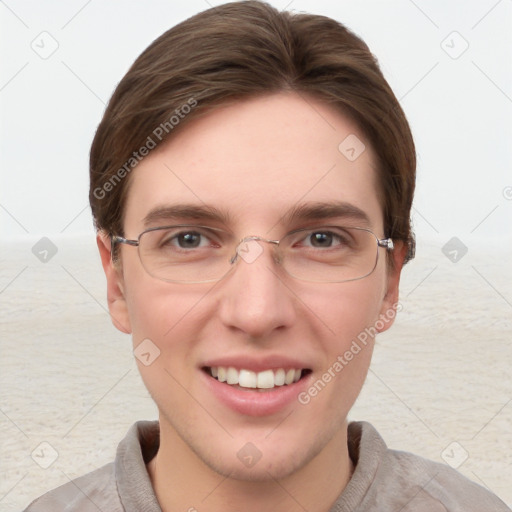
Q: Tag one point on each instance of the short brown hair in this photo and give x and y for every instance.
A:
(240, 50)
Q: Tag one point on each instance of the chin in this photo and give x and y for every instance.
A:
(263, 471)
(277, 461)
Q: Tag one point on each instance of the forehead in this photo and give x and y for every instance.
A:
(256, 161)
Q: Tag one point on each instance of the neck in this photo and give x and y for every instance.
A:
(182, 481)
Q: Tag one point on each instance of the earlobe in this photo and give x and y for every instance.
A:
(390, 303)
(115, 286)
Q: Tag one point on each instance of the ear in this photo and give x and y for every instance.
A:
(115, 287)
(390, 304)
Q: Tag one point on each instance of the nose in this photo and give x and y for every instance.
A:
(256, 298)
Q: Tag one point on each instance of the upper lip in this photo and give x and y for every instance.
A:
(271, 362)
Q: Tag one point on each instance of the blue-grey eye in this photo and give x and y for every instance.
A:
(321, 239)
(189, 240)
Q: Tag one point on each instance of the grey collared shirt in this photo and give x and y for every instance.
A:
(384, 480)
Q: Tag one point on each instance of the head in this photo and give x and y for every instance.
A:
(247, 113)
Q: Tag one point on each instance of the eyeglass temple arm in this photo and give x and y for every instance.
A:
(116, 239)
(387, 243)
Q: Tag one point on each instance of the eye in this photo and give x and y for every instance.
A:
(321, 239)
(324, 239)
(183, 239)
(187, 240)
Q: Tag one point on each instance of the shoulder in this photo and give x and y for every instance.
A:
(416, 484)
(91, 492)
(121, 484)
(433, 486)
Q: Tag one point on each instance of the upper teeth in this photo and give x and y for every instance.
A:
(248, 379)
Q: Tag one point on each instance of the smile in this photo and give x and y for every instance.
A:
(266, 379)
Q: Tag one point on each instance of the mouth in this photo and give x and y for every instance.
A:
(270, 379)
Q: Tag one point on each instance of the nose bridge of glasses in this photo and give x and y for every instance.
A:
(249, 249)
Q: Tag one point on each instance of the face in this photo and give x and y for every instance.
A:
(254, 163)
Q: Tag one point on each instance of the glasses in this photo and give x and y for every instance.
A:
(200, 254)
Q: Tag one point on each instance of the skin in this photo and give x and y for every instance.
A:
(254, 160)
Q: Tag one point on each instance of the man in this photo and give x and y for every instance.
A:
(251, 182)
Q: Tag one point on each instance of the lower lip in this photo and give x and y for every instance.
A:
(255, 403)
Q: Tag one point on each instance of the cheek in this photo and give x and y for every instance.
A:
(158, 310)
(352, 314)
(165, 328)
(153, 305)
(170, 315)
(347, 309)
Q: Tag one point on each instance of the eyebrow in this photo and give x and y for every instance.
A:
(184, 212)
(327, 210)
(299, 213)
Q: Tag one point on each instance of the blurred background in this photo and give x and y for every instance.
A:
(440, 382)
